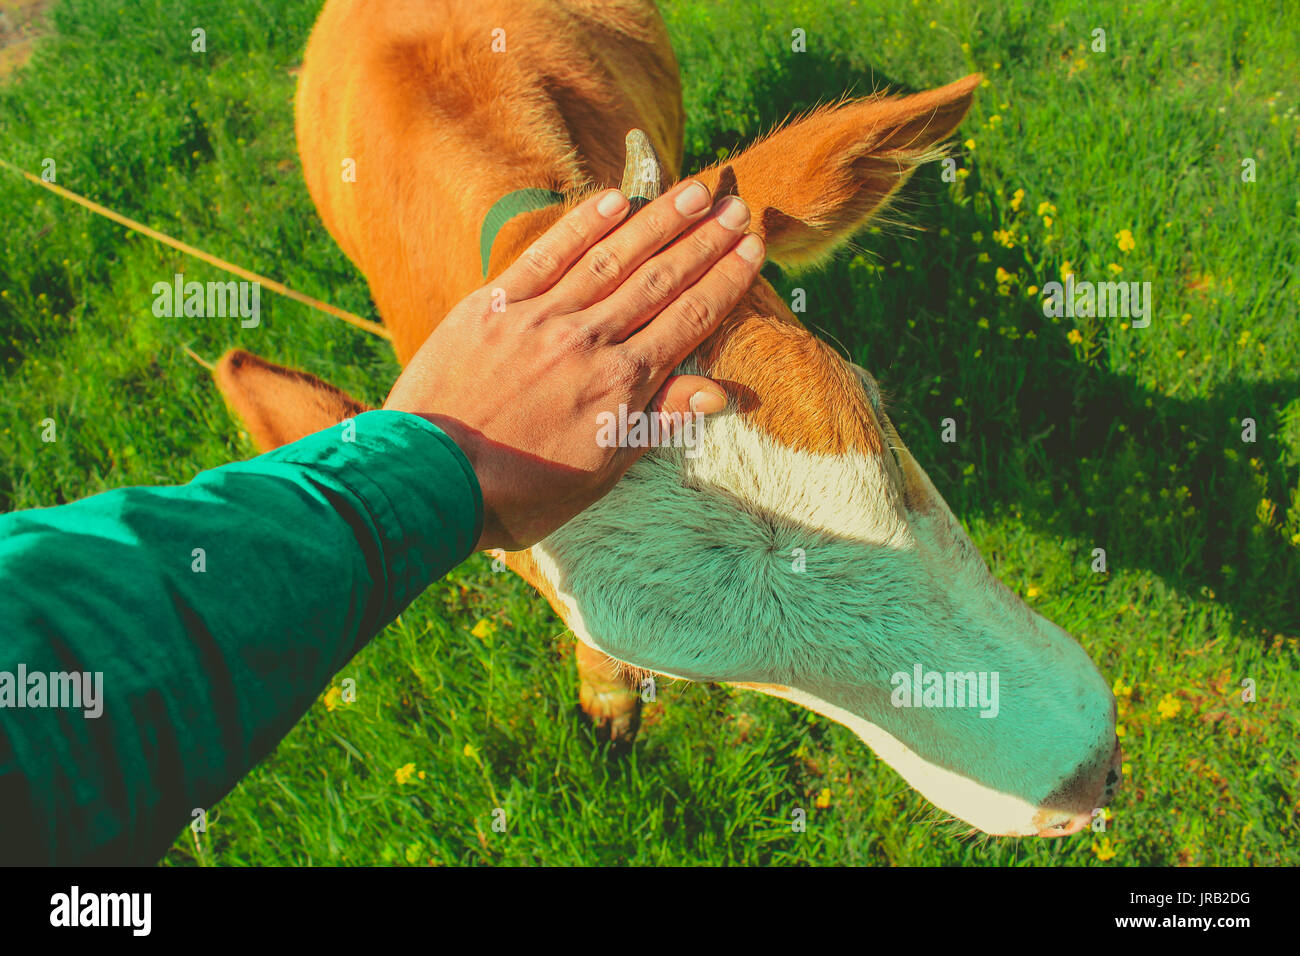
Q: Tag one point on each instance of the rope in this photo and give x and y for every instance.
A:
(374, 328)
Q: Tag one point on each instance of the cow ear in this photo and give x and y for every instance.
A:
(277, 404)
(811, 184)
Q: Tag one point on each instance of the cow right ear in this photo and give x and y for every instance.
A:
(278, 405)
(813, 183)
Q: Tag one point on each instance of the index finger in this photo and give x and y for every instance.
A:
(544, 262)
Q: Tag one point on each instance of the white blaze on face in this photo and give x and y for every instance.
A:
(980, 806)
(687, 568)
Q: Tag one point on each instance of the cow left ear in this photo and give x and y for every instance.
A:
(814, 182)
(279, 405)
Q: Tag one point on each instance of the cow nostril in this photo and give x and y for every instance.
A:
(1113, 777)
(1067, 827)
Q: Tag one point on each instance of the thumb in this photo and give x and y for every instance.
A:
(682, 399)
(683, 394)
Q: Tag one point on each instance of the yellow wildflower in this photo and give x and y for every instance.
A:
(1045, 208)
(1125, 240)
(484, 629)
(824, 798)
(1169, 706)
(1003, 276)
(405, 773)
(1032, 290)
(332, 698)
(1104, 850)
(1265, 511)
(1033, 592)
(1073, 337)
(1115, 268)
(970, 145)
(1016, 198)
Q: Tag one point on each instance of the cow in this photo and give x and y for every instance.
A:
(799, 550)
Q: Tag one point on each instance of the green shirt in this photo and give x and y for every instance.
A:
(216, 613)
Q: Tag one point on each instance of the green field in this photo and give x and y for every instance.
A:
(1073, 434)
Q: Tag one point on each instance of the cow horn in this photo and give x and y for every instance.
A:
(643, 174)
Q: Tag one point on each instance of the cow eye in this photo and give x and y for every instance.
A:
(891, 438)
(887, 431)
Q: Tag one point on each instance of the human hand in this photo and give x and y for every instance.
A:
(593, 319)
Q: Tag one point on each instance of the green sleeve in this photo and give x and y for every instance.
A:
(211, 616)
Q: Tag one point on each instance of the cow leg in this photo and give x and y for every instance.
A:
(613, 706)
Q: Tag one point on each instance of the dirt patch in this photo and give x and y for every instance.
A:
(22, 23)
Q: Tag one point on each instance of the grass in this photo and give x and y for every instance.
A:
(1072, 435)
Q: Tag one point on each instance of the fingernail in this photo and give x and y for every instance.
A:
(732, 212)
(692, 200)
(706, 402)
(750, 248)
(611, 203)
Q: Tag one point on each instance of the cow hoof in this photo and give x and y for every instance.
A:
(615, 712)
(605, 697)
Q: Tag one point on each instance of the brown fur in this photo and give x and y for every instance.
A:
(441, 127)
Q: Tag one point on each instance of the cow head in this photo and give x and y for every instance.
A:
(799, 549)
